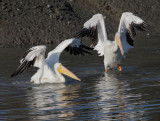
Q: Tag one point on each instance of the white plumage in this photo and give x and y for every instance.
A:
(50, 69)
(113, 51)
(126, 20)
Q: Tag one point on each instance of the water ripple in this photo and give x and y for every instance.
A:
(132, 94)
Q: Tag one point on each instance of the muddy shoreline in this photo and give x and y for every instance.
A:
(33, 22)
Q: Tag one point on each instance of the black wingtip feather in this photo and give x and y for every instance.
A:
(89, 32)
(129, 39)
(131, 33)
(141, 27)
(81, 50)
(23, 67)
(83, 32)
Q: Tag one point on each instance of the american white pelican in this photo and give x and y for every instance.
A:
(113, 51)
(50, 69)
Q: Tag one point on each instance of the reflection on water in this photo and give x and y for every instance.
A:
(51, 101)
(115, 100)
(133, 94)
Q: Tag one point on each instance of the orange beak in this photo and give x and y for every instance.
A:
(119, 43)
(65, 71)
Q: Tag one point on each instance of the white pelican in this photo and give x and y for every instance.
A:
(113, 51)
(50, 69)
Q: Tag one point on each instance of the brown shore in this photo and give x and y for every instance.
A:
(33, 22)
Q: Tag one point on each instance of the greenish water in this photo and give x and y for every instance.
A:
(133, 94)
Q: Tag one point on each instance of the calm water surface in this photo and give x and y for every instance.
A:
(133, 94)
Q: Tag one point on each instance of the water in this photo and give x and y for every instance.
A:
(133, 94)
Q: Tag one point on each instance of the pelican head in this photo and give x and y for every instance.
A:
(119, 42)
(63, 70)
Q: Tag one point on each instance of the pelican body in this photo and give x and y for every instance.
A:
(112, 56)
(50, 69)
(113, 51)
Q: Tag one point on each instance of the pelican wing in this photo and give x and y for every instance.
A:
(33, 57)
(94, 28)
(77, 48)
(127, 26)
(74, 46)
(90, 32)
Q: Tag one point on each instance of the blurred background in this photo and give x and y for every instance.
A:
(35, 22)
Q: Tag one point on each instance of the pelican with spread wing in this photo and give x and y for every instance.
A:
(113, 51)
(50, 69)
